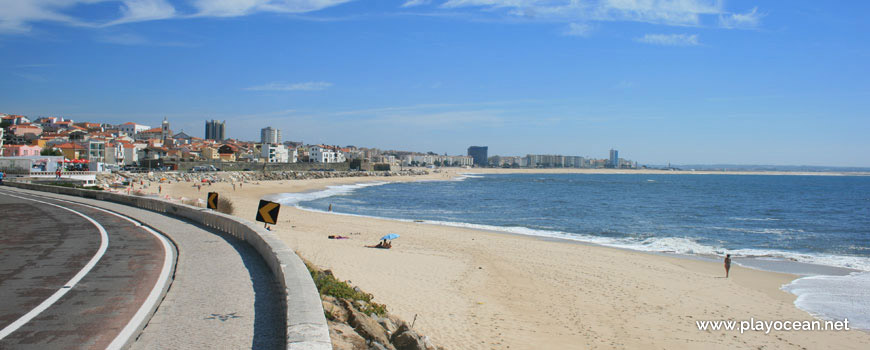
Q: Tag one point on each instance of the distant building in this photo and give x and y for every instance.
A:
(273, 153)
(215, 130)
(132, 128)
(479, 154)
(325, 154)
(165, 132)
(614, 159)
(270, 135)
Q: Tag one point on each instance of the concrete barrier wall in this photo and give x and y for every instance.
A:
(306, 327)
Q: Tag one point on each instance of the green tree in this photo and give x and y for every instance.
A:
(51, 152)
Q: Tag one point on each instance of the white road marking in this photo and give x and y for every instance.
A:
(154, 297)
(104, 244)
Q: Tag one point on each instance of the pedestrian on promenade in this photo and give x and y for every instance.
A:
(2, 174)
(57, 174)
(727, 265)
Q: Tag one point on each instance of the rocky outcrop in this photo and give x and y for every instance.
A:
(344, 337)
(351, 328)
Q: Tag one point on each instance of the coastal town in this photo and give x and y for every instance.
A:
(103, 147)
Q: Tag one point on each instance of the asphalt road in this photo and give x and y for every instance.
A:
(72, 276)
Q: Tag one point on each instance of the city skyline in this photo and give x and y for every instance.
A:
(694, 82)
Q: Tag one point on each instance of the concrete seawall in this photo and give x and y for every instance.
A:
(306, 326)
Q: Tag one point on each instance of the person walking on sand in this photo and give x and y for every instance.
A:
(727, 265)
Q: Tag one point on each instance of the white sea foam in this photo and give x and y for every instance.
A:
(835, 297)
(755, 219)
(463, 176)
(338, 190)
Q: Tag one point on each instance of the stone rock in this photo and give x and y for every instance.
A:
(388, 325)
(377, 346)
(366, 326)
(345, 338)
(428, 343)
(406, 339)
(336, 312)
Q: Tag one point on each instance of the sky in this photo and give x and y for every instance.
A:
(679, 81)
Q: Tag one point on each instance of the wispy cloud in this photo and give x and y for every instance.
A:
(668, 12)
(412, 3)
(234, 8)
(578, 29)
(131, 39)
(670, 39)
(35, 65)
(306, 86)
(747, 20)
(143, 10)
(17, 16)
(31, 77)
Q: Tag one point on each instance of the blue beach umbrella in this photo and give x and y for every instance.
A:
(390, 237)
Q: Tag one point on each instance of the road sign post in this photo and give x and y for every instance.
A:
(212, 200)
(267, 212)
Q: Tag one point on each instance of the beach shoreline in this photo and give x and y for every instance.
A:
(455, 278)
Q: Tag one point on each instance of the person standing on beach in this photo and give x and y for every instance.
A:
(727, 264)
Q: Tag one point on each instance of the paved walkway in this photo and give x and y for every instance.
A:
(223, 296)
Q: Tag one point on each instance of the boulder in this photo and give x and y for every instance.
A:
(406, 339)
(366, 326)
(388, 325)
(345, 338)
(334, 311)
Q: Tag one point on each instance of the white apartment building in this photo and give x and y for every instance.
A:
(325, 154)
(273, 153)
(132, 128)
(429, 159)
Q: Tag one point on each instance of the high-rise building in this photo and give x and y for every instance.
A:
(214, 130)
(478, 153)
(614, 159)
(270, 135)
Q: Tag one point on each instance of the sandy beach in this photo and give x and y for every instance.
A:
(472, 289)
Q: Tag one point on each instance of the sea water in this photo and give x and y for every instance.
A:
(811, 219)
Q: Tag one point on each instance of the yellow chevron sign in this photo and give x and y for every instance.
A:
(212, 200)
(268, 212)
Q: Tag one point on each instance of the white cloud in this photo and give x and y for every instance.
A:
(668, 12)
(412, 3)
(123, 39)
(144, 10)
(578, 29)
(233, 8)
(670, 39)
(307, 86)
(17, 16)
(747, 20)
(132, 39)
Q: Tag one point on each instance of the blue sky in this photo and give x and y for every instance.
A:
(747, 82)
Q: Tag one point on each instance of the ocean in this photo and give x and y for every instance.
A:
(818, 220)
